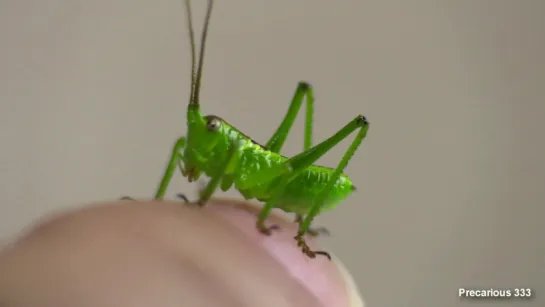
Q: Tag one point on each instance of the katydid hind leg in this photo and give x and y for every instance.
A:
(275, 144)
(304, 90)
(361, 123)
(307, 251)
(318, 231)
(315, 231)
(299, 163)
(305, 159)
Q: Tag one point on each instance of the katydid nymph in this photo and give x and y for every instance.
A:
(227, 156)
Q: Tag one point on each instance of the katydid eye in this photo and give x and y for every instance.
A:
(213, 124)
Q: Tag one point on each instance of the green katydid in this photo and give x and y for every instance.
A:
(230, 158)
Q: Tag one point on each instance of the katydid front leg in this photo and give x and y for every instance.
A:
(175, 161)
(179, 195)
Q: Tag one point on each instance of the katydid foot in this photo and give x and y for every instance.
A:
(186, 200)
(306, 249)
(266, 230)
(313, 232)
(182, 197)
(320, 231)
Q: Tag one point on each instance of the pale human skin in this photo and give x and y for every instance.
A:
(150, 253)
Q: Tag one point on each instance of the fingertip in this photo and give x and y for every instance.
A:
(163, 241)
(328, 280)
(280, 265)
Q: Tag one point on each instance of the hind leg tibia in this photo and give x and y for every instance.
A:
(303, 90)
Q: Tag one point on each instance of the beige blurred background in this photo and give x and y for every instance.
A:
(451, 177)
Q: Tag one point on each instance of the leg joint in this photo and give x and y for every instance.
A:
(304, 85)
(361, 120)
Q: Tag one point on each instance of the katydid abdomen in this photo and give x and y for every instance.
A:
(302, 192)
(299, 194)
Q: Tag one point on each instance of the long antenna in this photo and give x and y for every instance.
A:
(196, 77)
(192, 43)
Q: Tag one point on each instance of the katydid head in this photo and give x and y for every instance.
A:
(204, 133)
(207, 142)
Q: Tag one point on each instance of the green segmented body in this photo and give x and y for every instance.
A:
(299, 194)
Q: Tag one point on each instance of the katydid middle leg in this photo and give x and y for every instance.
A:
(222, 172)
(299, 163)
(278, 139)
